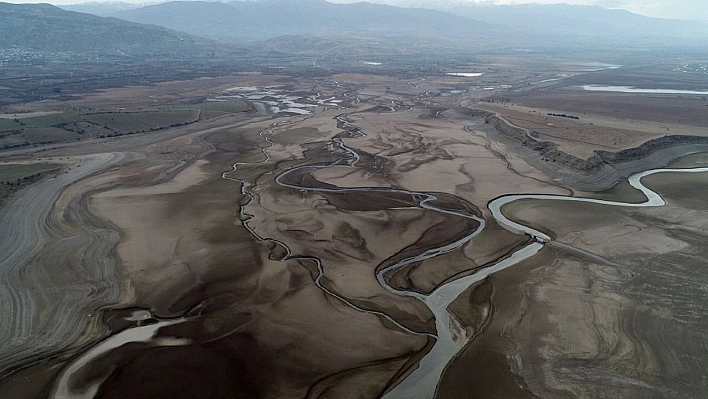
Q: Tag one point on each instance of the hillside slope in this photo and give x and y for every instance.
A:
(43, 27)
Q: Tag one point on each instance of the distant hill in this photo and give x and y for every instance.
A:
(565, 19)
(448, 24)
(206, 19)
(579, 20)
(267, 19)
(104, 8)
(46, 28)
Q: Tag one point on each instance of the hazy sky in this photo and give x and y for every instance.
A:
(680, 9)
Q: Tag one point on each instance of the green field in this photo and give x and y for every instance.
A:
(81, 124)
(132, 122)
(76, 125)
(11, 138)
(14, 172)
(49, 135)
(52, 120)
(7, 125)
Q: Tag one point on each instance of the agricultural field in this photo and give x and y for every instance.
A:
(82, 124)
(139, 121)
(9, 125)
(15, 172)
(13, 176)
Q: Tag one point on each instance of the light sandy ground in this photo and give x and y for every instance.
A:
(449, 158)
(186, 178)
(40, 240)
(591, 132)
(62, 254)
(622, 289)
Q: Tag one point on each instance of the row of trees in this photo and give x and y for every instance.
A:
(564, 115)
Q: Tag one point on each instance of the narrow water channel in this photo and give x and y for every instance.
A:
(450, 335)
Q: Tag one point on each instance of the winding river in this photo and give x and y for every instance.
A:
(451, 336)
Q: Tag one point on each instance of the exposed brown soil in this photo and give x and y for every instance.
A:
(277, 285)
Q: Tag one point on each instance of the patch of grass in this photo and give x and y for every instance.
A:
(49, 135)
(52, 120)
(76, 125)
(13, 172)
(8, 125)
(11, 139)
(130, 122)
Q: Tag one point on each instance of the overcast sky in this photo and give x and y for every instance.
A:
(679, 9)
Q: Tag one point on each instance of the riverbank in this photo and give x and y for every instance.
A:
(609, 296)
(599, 170)
(351, 253)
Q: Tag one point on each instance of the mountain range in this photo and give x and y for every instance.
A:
(263, 20)
(317, 26)
(46, 28)
(566, 19)
(467, 24)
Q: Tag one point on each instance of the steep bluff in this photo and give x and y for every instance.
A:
(550, 152)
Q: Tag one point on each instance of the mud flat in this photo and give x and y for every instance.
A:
(351, 253)
(433, 362)
(37, 313)
(281, 270)
(61, 268)
(250, 293)
(614, 294)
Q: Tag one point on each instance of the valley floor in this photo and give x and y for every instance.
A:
(295, 248)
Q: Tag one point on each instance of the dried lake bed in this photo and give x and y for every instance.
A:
(369, 246)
